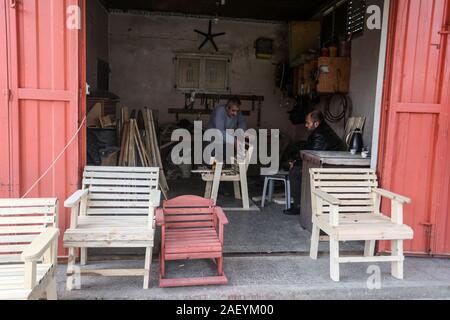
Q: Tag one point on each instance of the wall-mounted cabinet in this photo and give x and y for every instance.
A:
(334, 75)
(202, 73)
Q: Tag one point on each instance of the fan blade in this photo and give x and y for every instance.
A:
(214, 44)
(202, 33)
(203, 44)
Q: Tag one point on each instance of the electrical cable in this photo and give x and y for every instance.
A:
(344, 104)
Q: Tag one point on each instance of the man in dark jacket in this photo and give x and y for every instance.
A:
(321, 138)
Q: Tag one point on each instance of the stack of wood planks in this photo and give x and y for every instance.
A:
(140, 149)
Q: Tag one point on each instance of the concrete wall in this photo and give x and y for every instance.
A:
(365, 55)
(97, 39)
(142, 48)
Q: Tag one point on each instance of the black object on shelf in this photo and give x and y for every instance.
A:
(356, 142)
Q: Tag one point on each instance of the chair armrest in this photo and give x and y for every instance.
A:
(327, 197)
(221, 215)
(76, 198)
(40, 244)
(155, 198)
(160, 217)
(392, 196)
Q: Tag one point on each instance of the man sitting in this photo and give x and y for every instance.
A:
(321, 138)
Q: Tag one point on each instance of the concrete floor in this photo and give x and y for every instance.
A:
(269, 278)
(266, 257)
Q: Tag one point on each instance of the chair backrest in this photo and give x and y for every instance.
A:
(21, 220)
(352, 186)
(119, 190)
(189, 212)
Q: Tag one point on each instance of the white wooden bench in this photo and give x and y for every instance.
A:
(115, 209)
(28, 248)
(346, 206)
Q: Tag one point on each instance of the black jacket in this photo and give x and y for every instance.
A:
(323, 138)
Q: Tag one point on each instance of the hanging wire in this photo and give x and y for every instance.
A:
(56, 159)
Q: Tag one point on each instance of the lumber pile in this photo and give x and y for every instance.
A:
(139, 146)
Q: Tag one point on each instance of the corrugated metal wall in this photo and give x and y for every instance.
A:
(43, 110)
(416, 121)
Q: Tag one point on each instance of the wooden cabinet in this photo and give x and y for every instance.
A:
(334, 75)
(303, 36)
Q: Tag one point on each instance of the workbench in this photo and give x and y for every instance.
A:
(323, 159)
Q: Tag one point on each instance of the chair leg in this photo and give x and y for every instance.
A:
(237, 190)
(314, 248)
(263, 200)
(162, 265)
(288, 195)
(208, 189)
(51, 291)
(271, 189)
(369, 248)
(148, 263)
(334, 263)
(70, 269)
(244, 187)
(397, 266)
(220, 266)
(83, 256)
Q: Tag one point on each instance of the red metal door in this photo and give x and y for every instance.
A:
(415, 121)
(43, 107)
(5, 183)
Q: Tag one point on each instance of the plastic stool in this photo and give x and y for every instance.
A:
(269, 184)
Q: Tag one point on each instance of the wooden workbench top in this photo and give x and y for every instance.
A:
(337, 158)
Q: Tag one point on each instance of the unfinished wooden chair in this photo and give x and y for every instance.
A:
(237, 174)
(191, 228)
(346, 206)
(28, 248)
(115, 209)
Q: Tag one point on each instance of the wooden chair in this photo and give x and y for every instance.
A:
(28, 248)
(346, 206)
(237, 174)
(191, 228)
(115, 209)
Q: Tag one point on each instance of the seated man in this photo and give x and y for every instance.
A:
(226, 117)
(321, 138)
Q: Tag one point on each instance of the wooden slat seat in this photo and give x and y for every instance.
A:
(346, 206)
(115, 209)
(357, 227)
(115, 230)
(189, 231)
(28, 248)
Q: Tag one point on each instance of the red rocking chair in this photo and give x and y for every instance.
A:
(191, 228)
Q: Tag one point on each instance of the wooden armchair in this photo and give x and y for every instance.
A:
(346, 206)
(115, 209)
(191, 228)
(28, 248)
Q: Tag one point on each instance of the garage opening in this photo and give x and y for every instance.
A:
(154, 67)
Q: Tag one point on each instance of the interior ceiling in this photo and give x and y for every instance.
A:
(281, 10)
